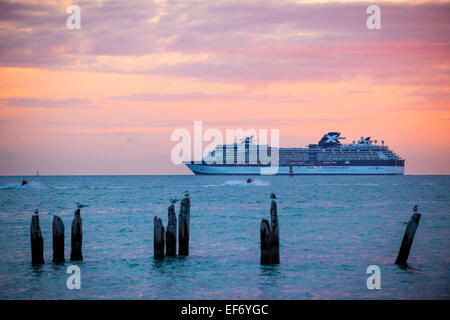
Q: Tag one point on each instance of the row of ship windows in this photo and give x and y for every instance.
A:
(329, 153)
(254, 151)
(327, 167)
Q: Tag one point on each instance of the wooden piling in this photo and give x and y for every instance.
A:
(158, 238)
(408, 238)
(183, 227)
(171, 233)
(77, 237)
(37, 242)
(270, 236)
(266, 243)
(58, 240)
(275, 234)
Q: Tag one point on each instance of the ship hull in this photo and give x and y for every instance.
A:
(202, 169)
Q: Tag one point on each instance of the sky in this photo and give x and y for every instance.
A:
(106, 98)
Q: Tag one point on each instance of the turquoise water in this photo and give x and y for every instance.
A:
(331, 229)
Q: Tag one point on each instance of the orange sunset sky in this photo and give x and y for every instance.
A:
(105, 99)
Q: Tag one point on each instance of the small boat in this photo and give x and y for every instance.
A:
(24, 182)
(249, 180)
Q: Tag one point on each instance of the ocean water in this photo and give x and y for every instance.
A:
(331, 229)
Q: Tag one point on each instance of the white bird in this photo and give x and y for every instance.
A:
(79, 205)
(36, 211)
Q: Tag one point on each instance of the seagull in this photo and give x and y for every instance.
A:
(273, 196)
(79, 205)
(173, 201)
(36, 211)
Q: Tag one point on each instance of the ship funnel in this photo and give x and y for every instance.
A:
(331, 139)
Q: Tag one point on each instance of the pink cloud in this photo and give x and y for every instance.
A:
(245, 42)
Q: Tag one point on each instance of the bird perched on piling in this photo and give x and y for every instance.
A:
(36, 212)
(79, 205)
(273, 196)
(186, 194)
(173, 201)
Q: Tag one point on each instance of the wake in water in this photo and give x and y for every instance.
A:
(30, 185)
(243, 183)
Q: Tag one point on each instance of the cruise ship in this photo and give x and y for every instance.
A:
(328, 157)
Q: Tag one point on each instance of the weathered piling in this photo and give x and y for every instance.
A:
(37, 242)
(183, 227)
(158, 238)
(270, 236)
(58, 240)
(77, 237)
(266, 243)
(408, 238)
(275, 234)
(171, 233)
